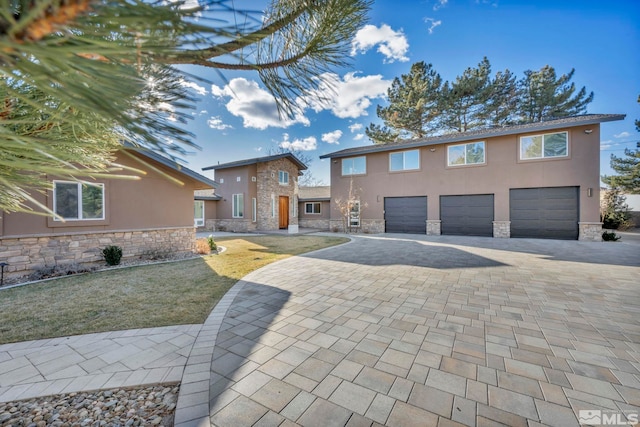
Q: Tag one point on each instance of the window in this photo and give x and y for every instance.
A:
(544, 146)
(238, 206)
(283, 177)
(273, 205)
(404, 161)
(198, 213)
(78, 201)
(354, 214)
(312, 208)
(354, 166)
(238, 179)
(254, 209)
(221, 181)
(466, 154)
(294, 206)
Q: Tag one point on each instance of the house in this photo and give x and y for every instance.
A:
(538, 180)
(145, 216)
(314, 207)
(257, 194)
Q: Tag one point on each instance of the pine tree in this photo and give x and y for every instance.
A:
(414, 106)
(465, 98)
(501, 106)
(544, 96)
(81, 76)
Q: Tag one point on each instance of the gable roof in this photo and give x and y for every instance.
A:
(208, 194)
(172, 165)
(247, 162)
(587, 119)
(319, 193)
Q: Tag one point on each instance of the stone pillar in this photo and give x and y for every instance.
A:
(502, 229)
(590, 231)
(433, 227)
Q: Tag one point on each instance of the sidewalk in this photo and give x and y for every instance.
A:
(94, 361)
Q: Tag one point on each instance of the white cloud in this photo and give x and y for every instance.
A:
(622, 135)
(358, 137)
(354, 127)
(215, 122)
(392, 44)
(433, 22)
(258, 149)
(196, 87)
(348, 97)
(256, 106)
(332, 137)
(203, 112)
(440, 4)
(306, 144)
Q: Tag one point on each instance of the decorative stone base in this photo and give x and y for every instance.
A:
(232, 225)
(293, 229)
(26, 254)
(502, 229)
(590, 231)
(320, 224)
(433, 227)
(367, 226)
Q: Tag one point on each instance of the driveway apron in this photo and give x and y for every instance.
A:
(426, 331)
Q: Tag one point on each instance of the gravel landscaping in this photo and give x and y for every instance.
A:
(141, 406)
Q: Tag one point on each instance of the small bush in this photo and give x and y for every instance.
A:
(610, 236)
(157, 254)
(202, 246)
(112, 255)
(212, 243)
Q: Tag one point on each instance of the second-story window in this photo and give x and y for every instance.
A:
(283, 178)
(466, 154)
(404, 161)
(354, 166)
(544, 146)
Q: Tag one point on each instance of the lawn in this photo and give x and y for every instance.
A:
(145, 296)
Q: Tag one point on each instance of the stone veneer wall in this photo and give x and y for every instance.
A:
(433, 227)
(369, 226)
(235, 225)
(502, 229)
(268, 188)
(321, 224)
(590, 231)
(25, 254)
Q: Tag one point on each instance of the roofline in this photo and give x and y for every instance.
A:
(255, 160)
(467, 136)
(214, 198)
(315, 199)
(171, 164)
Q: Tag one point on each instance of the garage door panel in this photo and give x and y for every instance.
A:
(545, 212)
(467, 215)
(405, 214)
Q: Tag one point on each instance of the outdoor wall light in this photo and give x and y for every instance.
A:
(588, 131)
(432, 149)
(589, 192)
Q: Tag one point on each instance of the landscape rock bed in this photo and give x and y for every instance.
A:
(140, 406)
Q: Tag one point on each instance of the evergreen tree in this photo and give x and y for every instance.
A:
(414, 106)
(501, 106)
(465, 98)
(81, 76)
(544, 96)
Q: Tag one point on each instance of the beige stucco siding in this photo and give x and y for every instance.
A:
(229, 185)
(151, 202)
(501, 172)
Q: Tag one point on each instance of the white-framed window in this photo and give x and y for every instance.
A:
(404, 160)
(544, 146)
(238, 178)
(283, 177)
(472, 153)
(312, 208)
(254, 209)
(238, 206)
(78, 201)
(273, 205)
(221, 181)
(354, 213)
(198, 213)
(354, 166)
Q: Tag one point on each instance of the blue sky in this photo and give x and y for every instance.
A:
(236, 119)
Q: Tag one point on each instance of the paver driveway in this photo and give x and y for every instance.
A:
(416, 330)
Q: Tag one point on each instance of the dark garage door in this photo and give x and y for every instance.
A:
(405, 215)
(547, 213)
(469, 215)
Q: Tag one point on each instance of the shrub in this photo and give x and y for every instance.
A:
(157, 254)
(112, 254)
(202, 246)
(211, 243)
(610, 236)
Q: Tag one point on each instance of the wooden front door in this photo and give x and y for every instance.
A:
(283, 212)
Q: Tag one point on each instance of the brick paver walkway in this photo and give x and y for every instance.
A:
(420, 331)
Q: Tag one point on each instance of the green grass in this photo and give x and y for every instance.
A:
(175, 293)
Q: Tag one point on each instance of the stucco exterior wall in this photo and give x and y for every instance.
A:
(502, 171)
(319, 221)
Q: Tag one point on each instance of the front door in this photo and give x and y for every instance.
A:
(284, 212)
